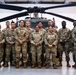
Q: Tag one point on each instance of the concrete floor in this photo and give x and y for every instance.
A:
(36, 71)
(43, 71)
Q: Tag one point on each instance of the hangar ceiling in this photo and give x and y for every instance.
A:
(38, 0)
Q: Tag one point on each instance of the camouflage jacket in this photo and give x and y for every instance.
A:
(1, 37)
(64, 35)
(21, 34)
(36, 38)
(7, 35)
(51, 39)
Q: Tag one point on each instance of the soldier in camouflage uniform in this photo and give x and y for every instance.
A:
(50, 23)
(13, 42)
(21, 37)
(42, 31)
(63, 42)
(73, 39)
(1, 45)
(28, 28)
(29, 31)
(36, 40)
(7, 37)
(51, 40)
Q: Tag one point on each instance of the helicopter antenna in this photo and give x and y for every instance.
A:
(30, 15)
(41, 15)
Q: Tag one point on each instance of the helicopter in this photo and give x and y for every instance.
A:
(35, 10)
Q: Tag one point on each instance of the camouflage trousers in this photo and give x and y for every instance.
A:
(13, 53)
(64, 48)
(8, 50)
(36, 53)
(21, 49)
(49, 51)
(74, 53)
(1, 53)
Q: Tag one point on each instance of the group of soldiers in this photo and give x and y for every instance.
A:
(29, 45)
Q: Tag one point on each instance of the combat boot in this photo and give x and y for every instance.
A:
(17, 65)
(33, 66)
(24, 65)
(47, 66)
(74, 66)
(39, 66)
(60, 64)
(68, 65)
(54, 66)
(6, 64)
(0, 65)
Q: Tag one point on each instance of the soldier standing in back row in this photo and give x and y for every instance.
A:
(29, 31)
(21, 37)
(73, 39)
(36, 40)
(51, 40)
(13, 42)
(50, 23)
(63, 43)
(7, 37)
(1, 45)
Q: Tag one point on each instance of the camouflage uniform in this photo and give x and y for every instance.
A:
(21, 34)
(29, 31)
(54, 30)
(51, 39)
(63, 44)
(13, 45)
(43, 31)
(73, 33)
(1, 46)
(7, 37)
(36, 37)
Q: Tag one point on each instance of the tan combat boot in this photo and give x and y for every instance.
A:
(17, 65)
(33, 66)
(24, 65)
(54, 66)
(47, 66)
(6, 64)
(39, 66)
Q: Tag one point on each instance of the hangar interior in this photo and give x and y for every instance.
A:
(68, 11)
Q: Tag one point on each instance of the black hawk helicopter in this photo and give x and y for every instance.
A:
(35, 10)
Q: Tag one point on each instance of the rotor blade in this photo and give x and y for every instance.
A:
(60, 6)
(14, 16)
(12, 7)
(64, 17)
